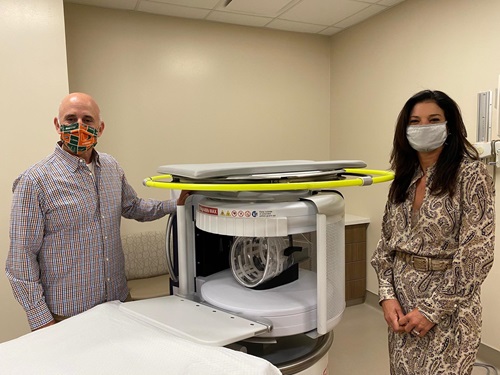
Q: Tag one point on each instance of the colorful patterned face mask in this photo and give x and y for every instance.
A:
(78, 138)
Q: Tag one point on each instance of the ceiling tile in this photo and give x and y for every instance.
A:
(204, 4)
(361, 16)
(389, 3)
(330, 30)
(323, 12)
(239, 19)
(259, 7)
(325, 17)
(115, 4)
(295, 26)
(172, 10)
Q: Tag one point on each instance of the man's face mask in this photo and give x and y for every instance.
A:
(78, 138)
(426, 138)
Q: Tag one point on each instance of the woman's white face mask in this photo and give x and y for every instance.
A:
(426, 138)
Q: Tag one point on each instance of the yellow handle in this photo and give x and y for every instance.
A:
(381, 176)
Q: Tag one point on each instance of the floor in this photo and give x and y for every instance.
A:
(360, 344)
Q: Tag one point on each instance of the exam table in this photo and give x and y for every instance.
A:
(107, 340)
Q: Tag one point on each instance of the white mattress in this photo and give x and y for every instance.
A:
(105, 340)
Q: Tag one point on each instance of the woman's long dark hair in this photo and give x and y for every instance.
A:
(404, 159)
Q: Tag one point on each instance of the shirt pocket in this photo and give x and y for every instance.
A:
(73, 204)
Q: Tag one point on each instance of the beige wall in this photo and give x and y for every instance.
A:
(171, 91)
(183, 91)
(448, 45)
(180, 91)
(33, 80)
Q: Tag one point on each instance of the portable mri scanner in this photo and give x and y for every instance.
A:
(256, 256)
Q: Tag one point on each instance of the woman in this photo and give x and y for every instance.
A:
(437, 241)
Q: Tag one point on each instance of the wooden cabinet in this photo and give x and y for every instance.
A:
(355, 262)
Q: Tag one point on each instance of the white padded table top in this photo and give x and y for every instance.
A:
(105, 340)
(217, 170)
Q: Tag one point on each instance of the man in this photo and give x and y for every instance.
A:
(65, 252)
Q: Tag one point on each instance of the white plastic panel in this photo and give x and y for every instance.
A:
(258, 227)
(184, 277)
(193, 321)
(330, 249)
(484, 103)
(250, 219)
(291, 308)
(335, 273)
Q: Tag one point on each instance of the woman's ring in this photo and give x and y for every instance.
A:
(415, 332)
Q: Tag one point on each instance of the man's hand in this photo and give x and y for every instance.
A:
(51, 323)
(182, 197)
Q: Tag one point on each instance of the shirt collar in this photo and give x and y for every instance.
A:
(419, 173)
(72, 162)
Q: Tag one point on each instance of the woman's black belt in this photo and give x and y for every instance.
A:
(421, 263)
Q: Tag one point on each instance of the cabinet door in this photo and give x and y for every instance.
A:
(355, 264)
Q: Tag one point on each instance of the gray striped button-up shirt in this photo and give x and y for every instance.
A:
(65, 249)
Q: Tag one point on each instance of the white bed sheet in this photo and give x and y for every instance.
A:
(105, 340)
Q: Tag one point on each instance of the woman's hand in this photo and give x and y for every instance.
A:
(393, 314)
(416, 323)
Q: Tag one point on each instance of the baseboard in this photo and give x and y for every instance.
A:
(372, 299)
(486, 354)
(489, 356)
(355, 301)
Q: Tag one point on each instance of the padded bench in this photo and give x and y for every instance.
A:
(146, 264)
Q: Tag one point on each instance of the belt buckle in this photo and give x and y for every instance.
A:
(420, 263)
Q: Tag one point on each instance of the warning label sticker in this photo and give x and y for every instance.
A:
(208, 210)
(236, 213)
(262, 213)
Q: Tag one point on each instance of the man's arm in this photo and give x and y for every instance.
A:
(26, 238)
